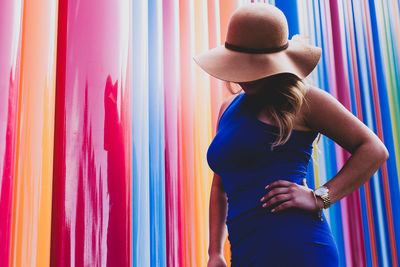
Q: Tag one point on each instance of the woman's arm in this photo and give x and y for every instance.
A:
(218, 209)
(217, 214)
(323, 113)
(326, 115)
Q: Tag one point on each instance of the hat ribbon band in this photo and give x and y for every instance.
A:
(255, 51)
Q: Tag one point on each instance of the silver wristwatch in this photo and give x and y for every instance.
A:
(323, 192)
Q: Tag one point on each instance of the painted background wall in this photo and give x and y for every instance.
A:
(105, 121)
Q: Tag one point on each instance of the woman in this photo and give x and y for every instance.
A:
(264, 143)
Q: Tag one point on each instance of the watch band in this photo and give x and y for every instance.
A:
(324, 195)
(327, 202)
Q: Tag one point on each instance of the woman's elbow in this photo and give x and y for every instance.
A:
(381, 152)
(385, 153)
(376, 150)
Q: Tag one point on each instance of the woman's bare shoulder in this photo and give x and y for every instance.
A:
(319, 105)
(313, 91)
(225, 104)
(318, 100)
(325, 114)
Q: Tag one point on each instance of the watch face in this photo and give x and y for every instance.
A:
(320, 191)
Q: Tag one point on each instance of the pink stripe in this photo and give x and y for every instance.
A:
(174, 232)
(326, 20)
(186, 129)
(355, 249)
(9, 75)
(91, 223)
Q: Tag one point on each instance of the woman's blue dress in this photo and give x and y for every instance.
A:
(241, 155)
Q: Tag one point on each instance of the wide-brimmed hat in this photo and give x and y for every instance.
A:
(257, 46)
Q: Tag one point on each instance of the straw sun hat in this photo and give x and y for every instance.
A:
(257, 46)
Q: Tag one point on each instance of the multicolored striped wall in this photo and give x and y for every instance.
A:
(105, 121)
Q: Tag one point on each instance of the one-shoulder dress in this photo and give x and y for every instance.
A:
(241, 155)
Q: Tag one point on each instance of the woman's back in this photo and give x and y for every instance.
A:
(241, 155)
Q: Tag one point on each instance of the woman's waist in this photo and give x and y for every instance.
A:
(259, 214)
(242, 186)
(246, 196)
(298, 224)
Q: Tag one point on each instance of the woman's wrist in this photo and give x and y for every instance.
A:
(320, 203)
(212, 253)
(319, 206)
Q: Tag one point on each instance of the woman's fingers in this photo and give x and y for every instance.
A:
(283, 206)
(284, 194)
(277, 199)
(278, 183)
(273, 192)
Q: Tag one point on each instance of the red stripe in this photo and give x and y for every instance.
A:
(368, 198)
(378, 118)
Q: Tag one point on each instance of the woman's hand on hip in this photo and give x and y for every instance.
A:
(284, 194)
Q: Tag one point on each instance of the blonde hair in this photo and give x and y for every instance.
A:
(282, 100)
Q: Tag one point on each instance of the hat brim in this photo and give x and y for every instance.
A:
(298, 58)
